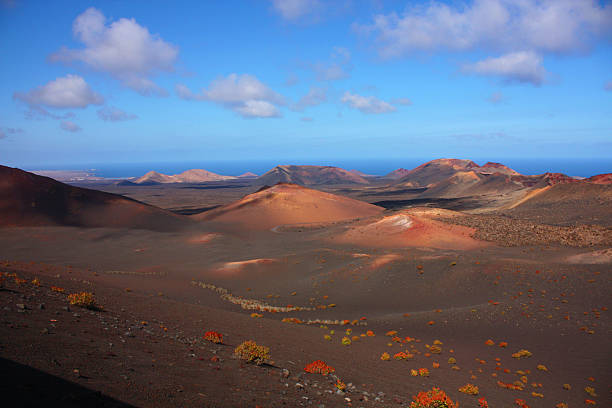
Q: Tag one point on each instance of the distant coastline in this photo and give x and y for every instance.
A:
(571, 167)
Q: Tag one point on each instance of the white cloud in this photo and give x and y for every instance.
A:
(243, 94)
(335, 69)
(524, 66)
(66, 92)
(124, 49)
(257, 109)
(314, 97)
(112, 114)
(558, 26)
(70, 126)
(401, 101)
(294, 9)
(367, 104)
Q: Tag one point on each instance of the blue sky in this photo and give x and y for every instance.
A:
(147, 81)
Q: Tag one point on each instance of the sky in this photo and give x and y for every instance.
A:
(149, 81)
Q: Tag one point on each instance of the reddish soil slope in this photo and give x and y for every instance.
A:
(289, 204)
(27, 199)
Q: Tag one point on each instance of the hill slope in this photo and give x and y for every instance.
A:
(27, 199)
(188, 176)
(289, 204)
(310, 175)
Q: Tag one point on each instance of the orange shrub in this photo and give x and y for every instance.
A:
(213, 337)
(252, 352)
(435, 398)
(319, 367)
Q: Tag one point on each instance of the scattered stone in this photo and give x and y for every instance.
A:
(285, 373)
(41, 306)
(45, 331)
(21, 306)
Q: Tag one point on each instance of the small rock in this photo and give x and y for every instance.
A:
(41, 306)
(76, 315)
(65, 308)
(285, 373)
(45, 331)
(20, 306)
(298, 385)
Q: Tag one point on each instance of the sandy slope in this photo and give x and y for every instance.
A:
(289, 204)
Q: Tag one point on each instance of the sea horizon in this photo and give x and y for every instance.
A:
(575, 167)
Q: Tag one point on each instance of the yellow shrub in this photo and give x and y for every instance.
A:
(83, 299)
(252, 353)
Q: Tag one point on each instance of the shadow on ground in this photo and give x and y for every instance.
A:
(29, 387)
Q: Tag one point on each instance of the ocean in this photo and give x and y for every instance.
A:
(571, 167)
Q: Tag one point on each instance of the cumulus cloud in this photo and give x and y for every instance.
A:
(524, 66)
(336, 68)
(244, 94)
(367, 104)
(66, 92)
(314, 97)
(69, 126)
(559, 26)
(112, 114)
(124, 49)
(401, 101)
(294, 9)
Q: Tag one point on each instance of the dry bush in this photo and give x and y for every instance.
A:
(252, 353)
(84, 299)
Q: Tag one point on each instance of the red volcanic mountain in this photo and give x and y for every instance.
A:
(397, 174)
(285, 204)
(601, 179)
(310, 175)
(439, 170)
(27, 199)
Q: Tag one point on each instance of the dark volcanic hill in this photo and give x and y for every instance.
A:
(310, 175)
(27, 199)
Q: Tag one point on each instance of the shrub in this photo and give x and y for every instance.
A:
(36, 282)
(435, 349)
(213, 337)
(84, 299)
(346, 341)
(252, 353)
(385, 356)
(435, 398)
(319, 367)
(423, 372)
(58, 289)
(482, 403)
(469, 389)
(522, 353)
